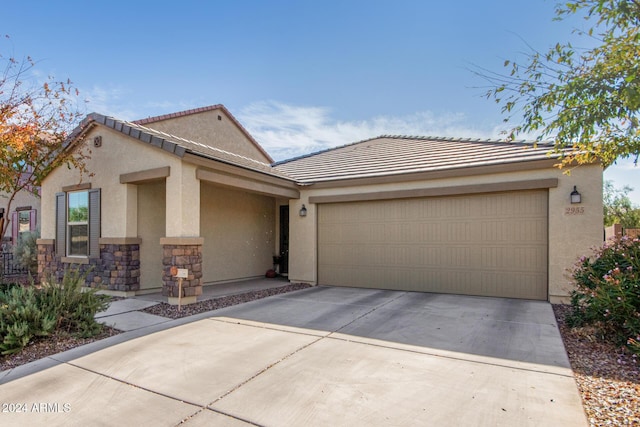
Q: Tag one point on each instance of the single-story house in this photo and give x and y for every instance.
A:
(194, 190)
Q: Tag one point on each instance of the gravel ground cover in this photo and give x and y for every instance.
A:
(47, 346)
(607, 377)
(171, 311)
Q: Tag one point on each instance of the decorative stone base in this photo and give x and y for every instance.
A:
(185, 253)
(117, 269)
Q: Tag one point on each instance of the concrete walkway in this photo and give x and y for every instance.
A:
(126, 314)
(316, 357)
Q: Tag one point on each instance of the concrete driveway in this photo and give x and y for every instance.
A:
(317, 357)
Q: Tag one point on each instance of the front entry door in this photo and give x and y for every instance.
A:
(284, 240)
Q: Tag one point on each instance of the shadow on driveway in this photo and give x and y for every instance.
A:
(511, 329)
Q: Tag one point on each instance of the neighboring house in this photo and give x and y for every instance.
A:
(617, 231)
(420, 214)
(24, 216)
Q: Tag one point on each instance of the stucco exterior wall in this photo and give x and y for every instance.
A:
(118, 154)
(206, 128)
(571, 233)
(151, 228)
(183, 195)
(574, 230)
(239, 233)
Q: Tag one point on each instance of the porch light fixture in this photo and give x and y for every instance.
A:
(575, 196)
(303, 211)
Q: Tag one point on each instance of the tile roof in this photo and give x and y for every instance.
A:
(393, 155)
(176, 145)
(221, 107)
(385, 155)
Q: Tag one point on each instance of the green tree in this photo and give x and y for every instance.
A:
(35, 120)
(618, 208)
(586, 99)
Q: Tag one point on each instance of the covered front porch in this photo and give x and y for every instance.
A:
(222, 223)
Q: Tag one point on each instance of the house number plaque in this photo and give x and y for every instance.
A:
(579, 210)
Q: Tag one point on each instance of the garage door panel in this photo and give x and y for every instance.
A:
(488, 244)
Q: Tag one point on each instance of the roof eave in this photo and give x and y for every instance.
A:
(205, 160)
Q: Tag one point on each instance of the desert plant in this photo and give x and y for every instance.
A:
(27, 312)
(74, 306)
(25, 252)
(607, 293)
(21, 318)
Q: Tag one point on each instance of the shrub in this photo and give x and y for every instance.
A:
(21, 318)
(607, 293)
(74, 306)
(27, 312)
(25, 252)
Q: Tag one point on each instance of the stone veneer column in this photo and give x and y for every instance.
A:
(119, 265)
(47, 261)
(182, 252)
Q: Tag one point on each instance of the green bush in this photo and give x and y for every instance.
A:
(74, 306)
(21, 318)
(27, 312)
(607, 293)
(25, 252)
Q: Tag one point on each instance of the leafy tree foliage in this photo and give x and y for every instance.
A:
(587, 99)
(618, 208)
(35, 120)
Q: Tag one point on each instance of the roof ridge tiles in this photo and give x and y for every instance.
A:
(315, 153)
(152, 119)
(421, 138)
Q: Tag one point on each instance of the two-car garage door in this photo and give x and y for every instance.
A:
(484, 244)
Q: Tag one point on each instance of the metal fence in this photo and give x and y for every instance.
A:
(9, 268)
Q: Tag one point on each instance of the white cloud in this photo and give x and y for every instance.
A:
(108, 101)
(117, 102)
(287, 131)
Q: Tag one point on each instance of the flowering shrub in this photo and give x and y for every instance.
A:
(607, 293)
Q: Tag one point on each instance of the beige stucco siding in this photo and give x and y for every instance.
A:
(119, 154)
(571, 233)
(151, 228)
(205, 128)
(574, 230)
(239, 233)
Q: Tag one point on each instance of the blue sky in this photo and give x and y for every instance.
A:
(299, 75)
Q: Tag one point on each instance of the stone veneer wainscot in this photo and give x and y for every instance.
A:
(117, 268)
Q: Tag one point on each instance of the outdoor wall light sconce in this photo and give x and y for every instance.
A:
(303, 211)
(575, 196)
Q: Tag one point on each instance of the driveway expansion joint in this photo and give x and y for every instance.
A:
(262, 371)
(400, 295)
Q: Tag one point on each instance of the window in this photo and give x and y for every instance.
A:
(23, 220)
(78, 223)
